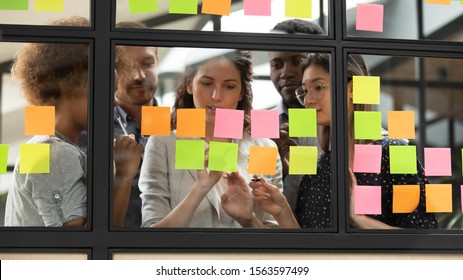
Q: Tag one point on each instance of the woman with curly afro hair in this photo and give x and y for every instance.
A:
(53, 74)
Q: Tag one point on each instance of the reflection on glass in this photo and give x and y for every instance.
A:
(48, 185)
(42, 12)
(235, 18)
(418, 174)
(185, 180)
(401, 20)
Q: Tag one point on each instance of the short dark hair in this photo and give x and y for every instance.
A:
(293, 26)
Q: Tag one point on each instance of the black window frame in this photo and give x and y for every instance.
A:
(101, 241)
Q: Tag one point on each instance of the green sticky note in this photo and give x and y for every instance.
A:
(367, 125)
(183, 7)
(34, 158)
(402, 159)
(298, 8)
(303, 159)
(3, 158)
(143, 6)
(302, 122)
(223, 156)
(189, 154)
(56, 6)
(366, 89)
(14, 5)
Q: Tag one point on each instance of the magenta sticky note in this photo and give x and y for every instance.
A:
(229, 123)
(367, 200)
(437, 162)
(265, 124)
(367, 158)
(370, 17)
(257, 7)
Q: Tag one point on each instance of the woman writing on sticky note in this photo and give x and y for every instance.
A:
(174, 197)
(314, 199)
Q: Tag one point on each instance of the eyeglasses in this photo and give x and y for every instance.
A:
(313, 89)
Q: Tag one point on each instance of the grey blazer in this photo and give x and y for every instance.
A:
(163, 187)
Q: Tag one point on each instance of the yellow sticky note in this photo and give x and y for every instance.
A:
(298, 8)
(438, 198)
(440, 2)
(55, 6)
(191, 122)
(401, 124)
(155, 120)
(263, 160)
(366, 89)
(34, 158)
(216, 7)
(303, 160)
(39, 120)
(405, 198)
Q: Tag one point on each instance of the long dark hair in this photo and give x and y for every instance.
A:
(355, 67)
(242, 61)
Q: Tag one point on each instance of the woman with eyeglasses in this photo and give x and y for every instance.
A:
(313, 208)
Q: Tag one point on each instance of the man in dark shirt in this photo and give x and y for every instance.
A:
(286, 75)
(136, 88)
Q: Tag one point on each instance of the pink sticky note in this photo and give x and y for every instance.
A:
(461, 192)
(257, 7)
(265, 124)
(367, 158)
(370, 17)
(437, 162)
(229, 123)
(367, 200)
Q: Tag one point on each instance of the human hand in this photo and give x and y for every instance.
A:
(207, 179)
(268, 197)
(283, 144)
(237, 200)
(127, 156)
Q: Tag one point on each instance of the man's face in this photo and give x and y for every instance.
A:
(286, 75)
(138, 84)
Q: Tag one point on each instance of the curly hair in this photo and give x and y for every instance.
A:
(292, 26)
(48, 71)
(243, 62)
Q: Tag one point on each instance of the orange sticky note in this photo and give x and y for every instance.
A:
(401, 124)
(155, 120)
(438, 198)
(39, 120)
(405, 198)
(440, 2)
(191, 122)
(263, 160)
(216, 7)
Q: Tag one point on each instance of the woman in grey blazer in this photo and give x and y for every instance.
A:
(187, 198)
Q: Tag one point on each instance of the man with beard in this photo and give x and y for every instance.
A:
(136, 88)
(136, 85)
(286, 75)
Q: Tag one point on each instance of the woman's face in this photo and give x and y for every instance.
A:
(217, 84)
(316, 81)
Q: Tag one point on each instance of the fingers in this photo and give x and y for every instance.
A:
(353, 180)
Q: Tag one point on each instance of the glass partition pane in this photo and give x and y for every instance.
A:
(230, 16)
(43, 94)
(413, 20)
(187, 107)
(406, 153)
(28, 12)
